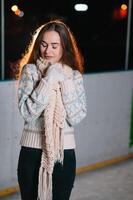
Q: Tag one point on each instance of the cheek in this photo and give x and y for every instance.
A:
(42, 50)
(60, 53)
(58, 56)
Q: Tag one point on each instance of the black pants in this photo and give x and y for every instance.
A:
(28, 170)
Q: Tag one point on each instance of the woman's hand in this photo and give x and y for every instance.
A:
(42, 65)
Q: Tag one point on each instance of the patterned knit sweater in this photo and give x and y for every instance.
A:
(33, 97)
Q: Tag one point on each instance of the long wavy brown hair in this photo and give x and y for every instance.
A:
(71, 53)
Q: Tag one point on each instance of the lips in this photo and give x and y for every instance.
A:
(48, 57)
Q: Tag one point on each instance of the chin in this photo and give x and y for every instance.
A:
(53, 61)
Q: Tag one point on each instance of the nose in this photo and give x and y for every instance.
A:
(48, 49)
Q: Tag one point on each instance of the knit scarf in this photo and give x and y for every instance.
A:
(52, 142)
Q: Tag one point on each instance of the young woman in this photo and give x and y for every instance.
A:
(51, 101)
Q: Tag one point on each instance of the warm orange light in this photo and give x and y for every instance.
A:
(123, 11)
(120, 12)
(124, 7)
(17, 12)
(14, 8)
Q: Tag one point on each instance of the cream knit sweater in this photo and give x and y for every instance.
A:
(33, 96)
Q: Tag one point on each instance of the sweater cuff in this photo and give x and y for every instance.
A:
(43, 85)
(42, 92)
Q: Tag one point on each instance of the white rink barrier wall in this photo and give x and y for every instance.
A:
(102, 135)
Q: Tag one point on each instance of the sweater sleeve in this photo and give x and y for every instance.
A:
(74, 98)
(32, 98)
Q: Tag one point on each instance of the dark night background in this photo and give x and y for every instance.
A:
(100, 36)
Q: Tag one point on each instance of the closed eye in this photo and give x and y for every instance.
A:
(54, 47)
(44, 44)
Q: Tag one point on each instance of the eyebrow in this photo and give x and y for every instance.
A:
(51, 43)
